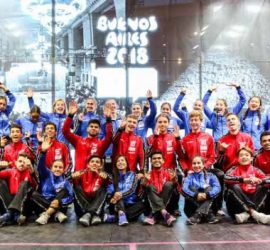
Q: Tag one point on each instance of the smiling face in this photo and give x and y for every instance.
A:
(162, 124)
(197, 164)
(16, 134)
(195, 123)
(59, 107)
(50, 131)
(265, 142)
(58, 168)
(131, 124)
(121, 163)
(166, 109)
(220, 107)
(254, 103)
(198, 105)
(136, 110)
(3, 103)
(157, 160)
(245, 157)
(90, 105)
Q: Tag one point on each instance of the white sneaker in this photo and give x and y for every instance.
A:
(85, 219)
(242, 217)
(261, 217)
(43, 218)
(61, 217)
(220, 213)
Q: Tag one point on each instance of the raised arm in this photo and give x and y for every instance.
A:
(242, 98)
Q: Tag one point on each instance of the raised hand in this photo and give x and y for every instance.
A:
(80, 117)
(73, 107)
(29, 92)
(3, 141)
(107, 110)
(29, 165)
(183, 91)
(176, 131)
(3, 87)
(233, 84)
(46, 144)
(103, 175)
(77, 174)
(149, 94)
(40, 135)
(213, 88)
(223, 146)
(123, 123)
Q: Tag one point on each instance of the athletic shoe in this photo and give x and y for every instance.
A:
(212, 219)
(61, 217)
(95, 220)
(242, 217)
(169, 219)
(149, 220)
(21, 220)
(43, 218)
(122, 219)
(220, 213)
(260, 217)
(5, 218)
(195, 219)
(85, 219)
(176, 213)
(109, 218)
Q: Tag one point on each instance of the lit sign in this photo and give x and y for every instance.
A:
(122, 34)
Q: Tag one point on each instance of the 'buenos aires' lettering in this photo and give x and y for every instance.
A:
(131, 33)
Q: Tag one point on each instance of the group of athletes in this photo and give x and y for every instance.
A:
(120, 173)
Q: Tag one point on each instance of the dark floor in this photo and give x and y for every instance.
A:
(71, 235)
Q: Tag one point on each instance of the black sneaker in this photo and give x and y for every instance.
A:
(212, 219)
(176, 213)
(195, 219)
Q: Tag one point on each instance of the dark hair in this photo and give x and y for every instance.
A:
(116, 171)
(265, 133)
(14, 125)
(35, 109)
(50, 123)
(94, 121)
(156, 153)
(203, 161)
(94, 156)
(166, 103)
(258, 111)
(163, 115)
(24, 154)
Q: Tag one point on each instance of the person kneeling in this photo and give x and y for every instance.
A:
(90, 191)
(124, 199)
(160, 185)
(200, 189)
(55, 191)
(246, 194)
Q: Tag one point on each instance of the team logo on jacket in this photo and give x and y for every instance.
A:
(203, 145)
(242, 144)
(132, 146)
(169, 146)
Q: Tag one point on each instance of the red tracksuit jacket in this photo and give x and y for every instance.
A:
(197, 144)
(131, 146)
(168, 145)
(85, 147)
(262, 161)
(235, 143)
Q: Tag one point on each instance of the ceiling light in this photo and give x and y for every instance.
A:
(253, 8)
(217, 8)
